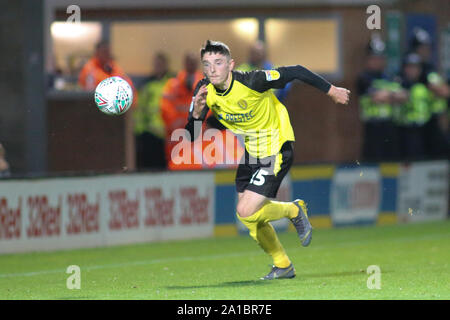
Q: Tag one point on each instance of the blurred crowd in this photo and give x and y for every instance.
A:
(405, 115)
(161, 106)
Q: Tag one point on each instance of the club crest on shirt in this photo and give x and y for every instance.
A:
(272, 75)
(243, 104)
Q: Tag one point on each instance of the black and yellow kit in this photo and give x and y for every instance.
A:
(250, 109)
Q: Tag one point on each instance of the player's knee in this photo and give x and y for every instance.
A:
(244, 210)
(240, 209)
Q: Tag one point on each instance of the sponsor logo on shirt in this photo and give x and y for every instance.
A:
(272, 75)
(236, 117)
(243, 104)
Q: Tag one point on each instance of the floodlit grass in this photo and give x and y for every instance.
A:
(414, 261)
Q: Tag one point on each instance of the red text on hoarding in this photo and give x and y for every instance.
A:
(83, 216)
(124, 212)
(10, 222)
(44, 220)
(194, 209)
(158, 210)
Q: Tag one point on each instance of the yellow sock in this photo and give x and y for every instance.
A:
(264, 234)
(268, 240)
(275, 210)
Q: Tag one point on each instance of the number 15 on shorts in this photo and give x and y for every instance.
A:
(258, 178)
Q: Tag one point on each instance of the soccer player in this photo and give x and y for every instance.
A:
(244, 103)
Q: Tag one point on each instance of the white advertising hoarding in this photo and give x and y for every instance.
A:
(423, 191)
(355, 195)
(63, 213)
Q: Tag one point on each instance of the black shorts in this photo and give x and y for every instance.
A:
(264, 176)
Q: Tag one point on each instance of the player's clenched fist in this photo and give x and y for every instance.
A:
(339, 95)
(199, 101)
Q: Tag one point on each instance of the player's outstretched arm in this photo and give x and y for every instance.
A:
(339, 95)
(263, 80)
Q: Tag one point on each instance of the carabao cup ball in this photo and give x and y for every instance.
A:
(113, 96)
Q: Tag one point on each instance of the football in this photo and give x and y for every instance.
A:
(113, 96)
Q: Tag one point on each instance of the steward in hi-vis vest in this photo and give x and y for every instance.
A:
(149, 127)
(375, 91)
(415, 111)
(437, 146)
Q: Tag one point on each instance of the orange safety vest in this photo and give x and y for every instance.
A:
(225, 152)
(175, 103)
(93, 73)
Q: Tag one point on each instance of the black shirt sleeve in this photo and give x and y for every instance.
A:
(263, 80)
(194, 125)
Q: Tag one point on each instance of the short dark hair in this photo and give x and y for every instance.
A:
(215, 47)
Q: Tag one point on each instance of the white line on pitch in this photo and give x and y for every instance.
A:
(220, 256)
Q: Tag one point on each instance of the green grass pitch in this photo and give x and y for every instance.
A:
(414, 261)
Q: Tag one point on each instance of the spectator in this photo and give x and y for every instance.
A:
(415, 112)
(257, 60)
(149, 127)
(4, 166)
(100, 67)
(375, 93)
(437, 144)
(177, 97)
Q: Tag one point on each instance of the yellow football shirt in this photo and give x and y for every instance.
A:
(250, 109)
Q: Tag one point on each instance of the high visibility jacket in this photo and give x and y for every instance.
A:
(147, 116)
(175, 103)
(93, 73)
(224, 151)
(417, 110)
(370, 110)
(438, 104)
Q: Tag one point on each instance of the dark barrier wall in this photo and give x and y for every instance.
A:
(80, 137)
(22, 104)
